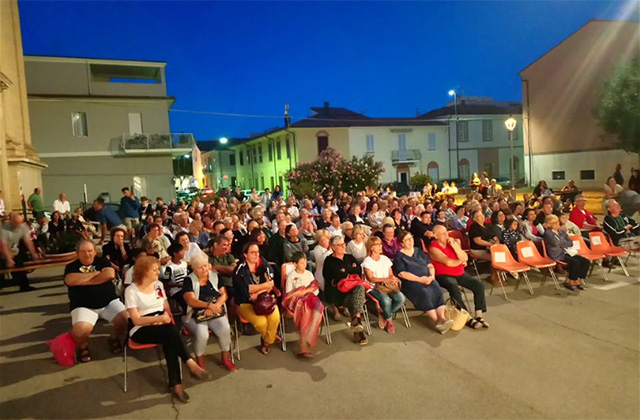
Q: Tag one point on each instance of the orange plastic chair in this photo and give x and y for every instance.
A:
(594, 257)
(464, 244)
(503, 262)
(528, 254)
(600, 244)
(137, 346)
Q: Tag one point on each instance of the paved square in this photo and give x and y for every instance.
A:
(551, 355)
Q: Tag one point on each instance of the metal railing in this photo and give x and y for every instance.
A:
(407, 155)
(168, 141)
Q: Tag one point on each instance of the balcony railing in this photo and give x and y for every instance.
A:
(405, 156)
(157, 143)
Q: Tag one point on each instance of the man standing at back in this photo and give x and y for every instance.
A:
(36, 204)
(130, 210)
(107, 217)
(62, 206)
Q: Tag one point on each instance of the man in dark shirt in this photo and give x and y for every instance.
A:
(92, 295)
(617, 224)
(107, 217)
(276, 244)
(222, 262)
(422, 230)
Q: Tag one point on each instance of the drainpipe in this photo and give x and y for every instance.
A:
(275, 159)
(525, 118)
(251, 159)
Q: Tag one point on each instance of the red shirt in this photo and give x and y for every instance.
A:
(442, 269)
(578, 217)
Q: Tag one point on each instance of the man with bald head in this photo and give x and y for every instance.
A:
(16, 247)
(449, 260)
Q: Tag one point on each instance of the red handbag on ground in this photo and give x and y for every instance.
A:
(63, 348)
(352, 280)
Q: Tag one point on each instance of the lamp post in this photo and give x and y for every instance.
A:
(455, 111)
(510, 123)
(224, 141)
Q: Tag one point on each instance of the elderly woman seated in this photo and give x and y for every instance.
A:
(206, 310)
(560, 248)
(417, 273)
(338, 266)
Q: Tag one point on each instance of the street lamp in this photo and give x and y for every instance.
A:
(223, 140)
(510, 123)
(455, 109)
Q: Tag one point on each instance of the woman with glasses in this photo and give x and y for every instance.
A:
(338, 266)
(253, 277)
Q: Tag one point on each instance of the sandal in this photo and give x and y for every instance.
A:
(305, 355)
(484, 323)
(278, 340)
(580, 287)
(265, 349)
(345, 312)
(361, 339)
(115, 346)
(568, 286)
(84, 355)
(474, 324)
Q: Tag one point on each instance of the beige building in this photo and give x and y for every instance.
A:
(214, 165)
(561, 137)
(20, 166)
(103, 124)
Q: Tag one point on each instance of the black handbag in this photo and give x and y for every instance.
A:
(200, 316)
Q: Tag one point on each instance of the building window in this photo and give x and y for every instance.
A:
(370, 144)
(270, 152)
(487, 130)
(280, 182)
(260, 153)
(241, 158)
(433, 170)
(255, 155)
(273, 182)
(588, 175)
(432, 142)
(463, 131)
(262, 182)
(288, 147)
(79, 124)
(402, 141)
(515, 134)
(323, 143)
(232, 159)
(463, 169)
(557, 175)
(278, 150)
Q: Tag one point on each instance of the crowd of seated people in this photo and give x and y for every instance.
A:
(212, 260)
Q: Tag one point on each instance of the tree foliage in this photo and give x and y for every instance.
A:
(332, 173)
(618, 107)
(419, 180)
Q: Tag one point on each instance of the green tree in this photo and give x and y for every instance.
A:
(419, 180)
(618, 107)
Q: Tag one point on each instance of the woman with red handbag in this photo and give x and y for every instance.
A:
(252, 285)
(349, 293)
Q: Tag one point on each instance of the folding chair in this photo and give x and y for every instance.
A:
(285, 270)
(376, 303)
(584, 251)
(129, 343)
(185, 332)
(528, 254)
(503, 262)
(464, 244)
(600, 244)
(239, 318)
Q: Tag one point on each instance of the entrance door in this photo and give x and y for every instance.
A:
(135, 123)
(140, 186)
(403, 177)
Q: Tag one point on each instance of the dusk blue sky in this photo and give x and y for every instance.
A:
(386, 58)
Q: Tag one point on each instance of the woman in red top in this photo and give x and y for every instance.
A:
(449, 260)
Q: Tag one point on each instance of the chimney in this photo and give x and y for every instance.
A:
(287, 119)
(326, 105)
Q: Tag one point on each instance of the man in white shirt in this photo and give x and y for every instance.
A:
(62, 206)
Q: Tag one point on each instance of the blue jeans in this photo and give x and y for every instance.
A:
(389, 303)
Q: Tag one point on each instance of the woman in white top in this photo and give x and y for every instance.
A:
(357, 246)
(319, 253)
(375, 217)
(612, 189)
(301, 300)
(378, 270)
(152, 323)
(206, 310)
(190, 248)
